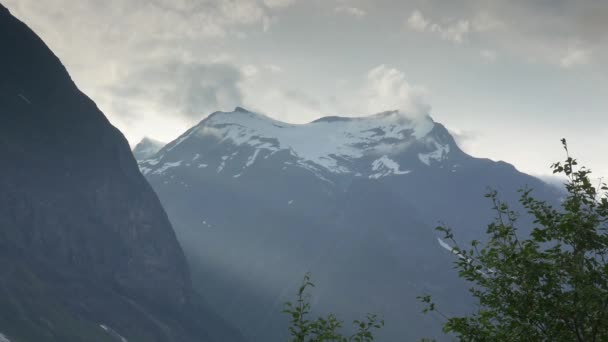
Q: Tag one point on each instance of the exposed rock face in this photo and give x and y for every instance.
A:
(84, 241)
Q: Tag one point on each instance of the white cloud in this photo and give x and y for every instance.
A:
(488, 55)
(567, 36)
(485, 21)
(380, 89)
(249, 70)
(388, 89)
(417, 22)
(467, 140)
(179, 88)
(278, 3)
(455, 31)
(273, 68)
(574, 57)
(241, 12)
(353, 11)
(284, 104)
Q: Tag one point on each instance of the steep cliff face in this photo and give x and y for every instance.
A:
(86, 250)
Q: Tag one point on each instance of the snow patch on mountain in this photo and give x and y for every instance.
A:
(221, 167)
(165, 167)
(440, 153)
(252, 158)
(112, 333)
(3, 338)
(385, 166)
(147, 165)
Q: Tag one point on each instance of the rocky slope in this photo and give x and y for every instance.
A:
(86, 250)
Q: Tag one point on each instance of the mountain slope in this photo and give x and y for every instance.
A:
(86, 250)
(146, 148)
(354, 200)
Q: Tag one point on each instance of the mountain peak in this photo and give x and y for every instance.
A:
(146, 148)
(332, 118)
(330, 146)
(234, 116)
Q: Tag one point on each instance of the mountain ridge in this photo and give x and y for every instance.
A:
(327, 145)
(87, 253)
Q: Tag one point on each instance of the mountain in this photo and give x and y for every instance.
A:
(353, 200)
(146, 148)
(87, 252)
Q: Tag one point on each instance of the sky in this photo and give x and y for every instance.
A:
(509, 78)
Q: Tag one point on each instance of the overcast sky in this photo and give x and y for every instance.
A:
(508, 78)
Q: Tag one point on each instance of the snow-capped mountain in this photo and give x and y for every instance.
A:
(353, 200)
(328, 147)
(146, 148)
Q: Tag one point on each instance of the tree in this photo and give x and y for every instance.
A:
(550, 285)
(322, 329)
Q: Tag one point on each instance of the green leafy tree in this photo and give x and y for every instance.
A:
(549, 286)
(303, 329)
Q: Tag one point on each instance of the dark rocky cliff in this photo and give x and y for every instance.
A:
(86, 250)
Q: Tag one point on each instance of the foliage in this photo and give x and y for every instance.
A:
(549, 286)
(302, 329)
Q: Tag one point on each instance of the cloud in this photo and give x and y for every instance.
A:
(380, 89)
(249, 70)
(388, 89)
(566, 35)
(152, 64)
(278, 3)
(488, 55)
(273, 68)
(484, 21)
(417, 22)
(207, 131)
(190, 90)
(559, 182)
(455, 32)
(466, 139)
(352, 11)
(574, 57)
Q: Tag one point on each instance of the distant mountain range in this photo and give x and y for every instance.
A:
(87, 253)
(258, 202)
